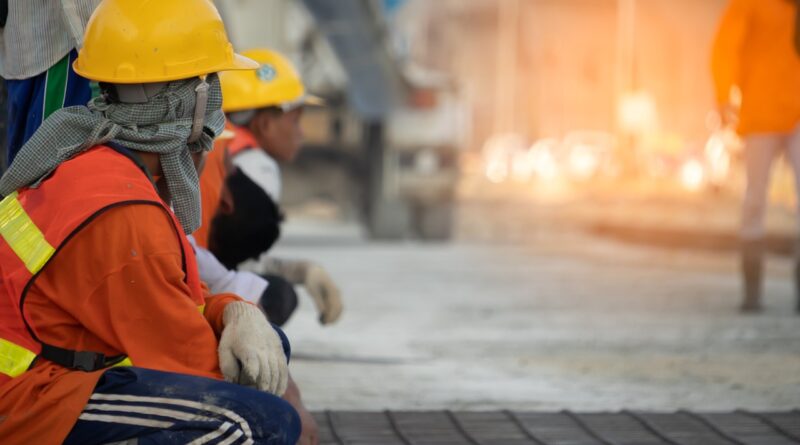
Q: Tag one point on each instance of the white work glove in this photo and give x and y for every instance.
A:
(250, 351)
(316, 280)
(324, 292)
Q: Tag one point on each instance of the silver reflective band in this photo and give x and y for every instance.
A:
(200, 103)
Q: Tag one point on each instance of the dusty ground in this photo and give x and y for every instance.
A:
(564, 320)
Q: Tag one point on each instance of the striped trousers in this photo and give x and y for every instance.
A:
(143, 407)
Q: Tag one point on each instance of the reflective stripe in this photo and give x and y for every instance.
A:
(14, 359)
(202, 309)
(22, 235)
(126, 362)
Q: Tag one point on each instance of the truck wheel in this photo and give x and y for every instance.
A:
(435, 221)
(389, 220)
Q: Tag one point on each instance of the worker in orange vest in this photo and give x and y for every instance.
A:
(755, 62)
(264, 108)
(106, 332)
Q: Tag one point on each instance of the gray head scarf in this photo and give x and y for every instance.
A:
(162, 125)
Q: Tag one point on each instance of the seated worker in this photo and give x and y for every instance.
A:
(264, 107)
(96, 270)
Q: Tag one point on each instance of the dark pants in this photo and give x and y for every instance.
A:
(279, 300)
(166, 408)
(31, 100)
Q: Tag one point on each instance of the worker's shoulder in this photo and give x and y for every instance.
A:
(141, 223)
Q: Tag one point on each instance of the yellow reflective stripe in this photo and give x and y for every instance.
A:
(126, 362)
(202, 309)
(22, 235)
(14, 359)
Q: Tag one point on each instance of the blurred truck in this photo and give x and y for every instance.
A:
(398, 173)
(385, 147)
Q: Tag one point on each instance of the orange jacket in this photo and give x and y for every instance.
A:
(212, 179)
(754, 49)
(118, 285)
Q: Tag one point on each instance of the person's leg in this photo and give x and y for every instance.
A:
(24, 105)
(279, 300)
(32, 100)
(760, 152)
(793, 155)
(165, 408)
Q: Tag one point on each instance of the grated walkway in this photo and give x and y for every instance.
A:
(558, 428)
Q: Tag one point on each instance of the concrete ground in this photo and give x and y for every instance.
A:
(565, 320)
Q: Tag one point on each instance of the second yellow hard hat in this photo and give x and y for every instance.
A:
(276, 83)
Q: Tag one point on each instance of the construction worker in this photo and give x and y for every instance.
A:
(38, 44)
(755, 51)
(247, 285)
(264, 108)
(106, 334)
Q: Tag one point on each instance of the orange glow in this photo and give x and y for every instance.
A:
(501, 153)
(543, 160)
(692, 175)
(637, 112)
(719, 160)
(583, 161)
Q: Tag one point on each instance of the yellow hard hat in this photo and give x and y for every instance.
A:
(275, 83)
(148, 41)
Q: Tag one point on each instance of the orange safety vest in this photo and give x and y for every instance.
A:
(242, 140)
(36, 222)
(214, 174)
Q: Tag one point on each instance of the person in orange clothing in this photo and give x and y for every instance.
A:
(755, 54)
(264, 109)
(106, 333)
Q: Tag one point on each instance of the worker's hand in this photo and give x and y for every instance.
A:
(316, 280)
(250, 351)
(326, 295)
(728, 115)
(309, 432)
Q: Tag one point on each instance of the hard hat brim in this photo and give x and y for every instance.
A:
(239, 63)
(314, 101)
(308, 100)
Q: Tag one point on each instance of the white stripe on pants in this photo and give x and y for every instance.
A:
(761, 150)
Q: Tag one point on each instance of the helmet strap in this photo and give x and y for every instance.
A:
(201, 101)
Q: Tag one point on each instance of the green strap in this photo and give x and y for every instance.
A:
(55, 87)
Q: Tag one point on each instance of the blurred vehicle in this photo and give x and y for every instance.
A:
(385, 147)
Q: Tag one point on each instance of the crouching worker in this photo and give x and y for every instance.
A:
(106, 334)
(265, 107)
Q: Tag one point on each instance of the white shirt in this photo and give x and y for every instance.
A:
(220, 279)
(39, 33)
(261, 169)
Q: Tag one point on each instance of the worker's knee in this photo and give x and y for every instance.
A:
(279, 300)
(272, 419)
(190, 408)
(287, 347)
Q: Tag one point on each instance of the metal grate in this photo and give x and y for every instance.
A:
(561, 428)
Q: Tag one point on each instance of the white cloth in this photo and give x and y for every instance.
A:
(261, 169)
(316, 280)
(38, 33)
(760, 152)
(222, 280)
(250, 351)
